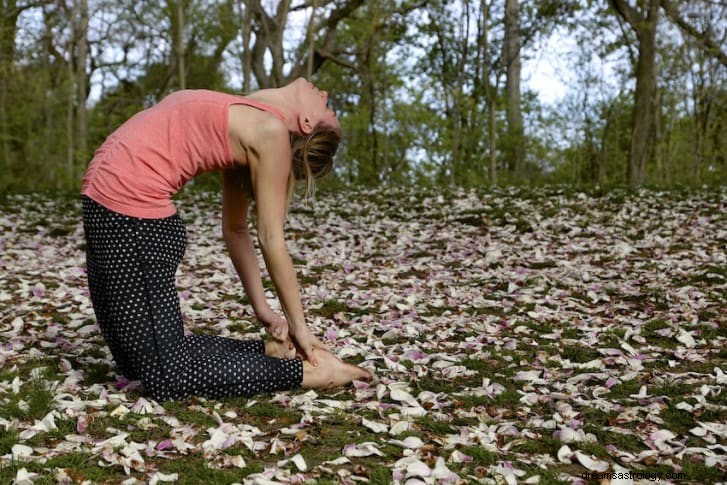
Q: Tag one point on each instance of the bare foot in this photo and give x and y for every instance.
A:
(332, 372)
(279, 350)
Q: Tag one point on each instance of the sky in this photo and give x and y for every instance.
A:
(546, 72)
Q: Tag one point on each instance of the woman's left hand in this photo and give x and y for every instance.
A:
(306, 343)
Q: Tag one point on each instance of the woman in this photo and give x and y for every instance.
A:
(262, 143)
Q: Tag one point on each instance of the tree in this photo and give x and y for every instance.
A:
(643, 21)
(511, 56)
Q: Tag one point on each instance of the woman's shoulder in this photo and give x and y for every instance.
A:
(261, 125)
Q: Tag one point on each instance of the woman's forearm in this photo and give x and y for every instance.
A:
(242, 253)
(280, 267)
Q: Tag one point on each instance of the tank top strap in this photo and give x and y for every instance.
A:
(261, 106)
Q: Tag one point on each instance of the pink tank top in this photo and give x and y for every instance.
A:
(151, 156)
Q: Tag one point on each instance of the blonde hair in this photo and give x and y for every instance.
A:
(311, 159)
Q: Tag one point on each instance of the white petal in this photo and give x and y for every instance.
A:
(399, 427)
(121, 410)
(442, 473)
(459, 457)
(21, 451)
(338, 461)
(299, 462)
(363, 449)
(414, 412)
(375, 426)
(411, 442)
(565, 454)
(24, 478)
(590, 463)
(686, 338)
(403, 396)
(161, 477)
(417, 469)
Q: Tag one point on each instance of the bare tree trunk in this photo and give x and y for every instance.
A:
(644, 25)
(603, 152)
(276, 49)
(81, 77)
(311, 39)
(697, 101)
(457, 128)
(47, 111)
(70, 143)
(658, 138)
(670, 145)
(490, 93)
(269, 38)
(492, 106)
(643, 104)
(180, 47)
(246, 18)
(8, 21)
(512, 86)
(369, 82)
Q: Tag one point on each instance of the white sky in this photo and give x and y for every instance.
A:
(545, 73)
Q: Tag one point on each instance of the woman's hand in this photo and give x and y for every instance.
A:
(274, 324)
(306, 343)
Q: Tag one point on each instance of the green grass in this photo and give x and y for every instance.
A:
(193, 469)
(79, 466)
(578, 353)
(8, 438)
(480, 456)
(33, 401)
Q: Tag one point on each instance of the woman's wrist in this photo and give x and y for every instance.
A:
(264, 314)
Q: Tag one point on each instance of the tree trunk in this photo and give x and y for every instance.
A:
(603, 152)
(644, 25)
(493, 138)
(310, 34)
(658, 138)
(511, 56)
(457, 128)
(369, 81)
(81, 79)
(643, 103)
(70, 139)
(246, 32)
(180, 47)
(8, 22)
(276, 49)
(490, 93)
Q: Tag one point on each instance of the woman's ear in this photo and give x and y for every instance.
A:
(305, 124)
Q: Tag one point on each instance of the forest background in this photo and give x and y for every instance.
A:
(429, 92)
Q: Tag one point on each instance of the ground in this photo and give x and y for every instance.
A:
(519, 336)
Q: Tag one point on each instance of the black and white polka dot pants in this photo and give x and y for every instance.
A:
(131, 268)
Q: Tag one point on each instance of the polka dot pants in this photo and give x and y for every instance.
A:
(131, 267)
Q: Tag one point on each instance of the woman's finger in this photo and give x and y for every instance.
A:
(280, 334)
(311, 358)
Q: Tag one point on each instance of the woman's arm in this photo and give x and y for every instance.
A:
(269, 171)
(235, 206)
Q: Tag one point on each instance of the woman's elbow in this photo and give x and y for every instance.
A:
(231, 231)
(270, 240)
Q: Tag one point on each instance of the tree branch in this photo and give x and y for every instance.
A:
(628, 12)
(702, 38)
(336, 60)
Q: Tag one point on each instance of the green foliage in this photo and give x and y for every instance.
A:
(413, 84)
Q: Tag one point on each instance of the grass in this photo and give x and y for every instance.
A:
(194, 469)
(33, 401)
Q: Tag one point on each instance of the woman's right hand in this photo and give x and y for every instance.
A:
(274, 324)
